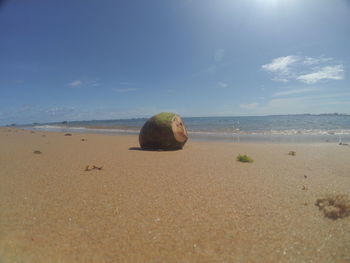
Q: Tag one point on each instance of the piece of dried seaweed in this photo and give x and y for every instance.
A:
(93, 167)
(334, 206)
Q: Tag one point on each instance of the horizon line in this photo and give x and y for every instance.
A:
(223, 116)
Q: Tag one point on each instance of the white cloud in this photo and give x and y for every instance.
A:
(250, 106)
(280, 79)
(123, 90)
(85, 83)
(284, 103)
(216, 65)
(315, 61)
(291, 67)
(75, 83)
(219, 54)
(337, 102)
(93, 83)
(222, 85)
(59, 111)
(300, 103)
(329, 72)
(294, 91)
(306, 104)
(327, 96)
(281, 65)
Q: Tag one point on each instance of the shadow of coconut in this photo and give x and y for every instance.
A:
(152, 149)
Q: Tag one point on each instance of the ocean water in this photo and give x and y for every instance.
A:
(286, 128)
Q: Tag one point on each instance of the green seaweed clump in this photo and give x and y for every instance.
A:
(244, 158)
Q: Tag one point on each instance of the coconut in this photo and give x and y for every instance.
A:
(164, 131)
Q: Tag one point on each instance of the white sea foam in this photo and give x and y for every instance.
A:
(276, 132)
(82, 129)
(335, 132)
(265, 128)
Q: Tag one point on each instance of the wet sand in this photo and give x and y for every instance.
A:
(194, 205)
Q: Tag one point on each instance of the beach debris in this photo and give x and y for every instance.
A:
(341, 142)
(68, 134)
(83, 140)
(116, 211)
(164, 131)
(37, 152)
(305, 176)
(292, 153)
(334, 206)
(96, 167)
(244, 158)
(32, 131)
(304, 188)
(93, 167)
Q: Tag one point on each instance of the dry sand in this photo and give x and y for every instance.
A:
(194, 205)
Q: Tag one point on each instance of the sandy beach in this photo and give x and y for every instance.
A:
(193, 205)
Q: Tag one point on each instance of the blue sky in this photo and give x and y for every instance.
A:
(85, 59)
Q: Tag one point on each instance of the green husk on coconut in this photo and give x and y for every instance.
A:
(164, 131)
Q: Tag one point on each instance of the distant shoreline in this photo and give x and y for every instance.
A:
(304, 128)
(294, 137)
(145, 118)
